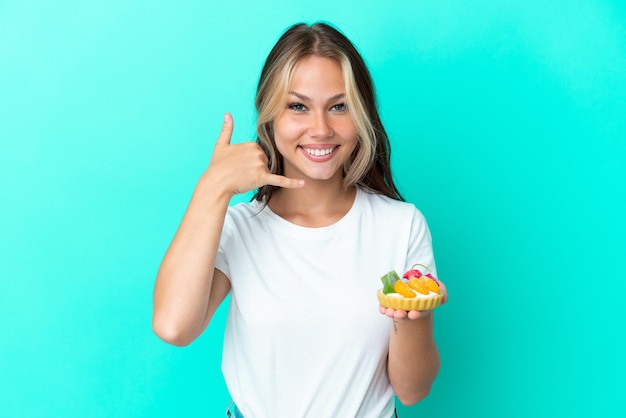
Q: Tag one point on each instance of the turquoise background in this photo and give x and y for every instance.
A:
(508, 124)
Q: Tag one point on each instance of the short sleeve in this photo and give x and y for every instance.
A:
(420, 245)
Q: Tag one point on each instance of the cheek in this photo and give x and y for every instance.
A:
(345, 124)
(347, 130)
(283, 138)
(287, 129)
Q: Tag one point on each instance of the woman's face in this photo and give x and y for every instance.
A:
(314, 133)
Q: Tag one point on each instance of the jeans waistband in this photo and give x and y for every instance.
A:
(233, 411)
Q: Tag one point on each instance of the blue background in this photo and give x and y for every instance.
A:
(508, 127)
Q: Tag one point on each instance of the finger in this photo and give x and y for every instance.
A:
(227, 130)
(282, 181)
(413, 314)
(418, 314)
(387, 311)
(399, 314)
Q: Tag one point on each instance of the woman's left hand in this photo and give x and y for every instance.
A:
(400, 314)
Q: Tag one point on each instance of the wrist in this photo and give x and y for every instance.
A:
(212, 185)
(422, 323)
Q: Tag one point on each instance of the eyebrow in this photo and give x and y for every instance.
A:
(308, 99)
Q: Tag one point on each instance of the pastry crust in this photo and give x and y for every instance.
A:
(409, 304)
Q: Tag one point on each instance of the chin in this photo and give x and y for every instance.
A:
(313, 172)
(319, 176)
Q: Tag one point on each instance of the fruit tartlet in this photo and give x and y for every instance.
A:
(412, 292)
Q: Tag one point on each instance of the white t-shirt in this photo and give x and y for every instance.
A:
(304, 337)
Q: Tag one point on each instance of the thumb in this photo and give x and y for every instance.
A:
(282, 181)
(227, 130)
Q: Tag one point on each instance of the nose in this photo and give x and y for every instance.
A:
(320, 126)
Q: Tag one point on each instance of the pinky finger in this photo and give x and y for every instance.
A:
(282, 181)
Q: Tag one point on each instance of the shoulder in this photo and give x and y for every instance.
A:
(384, 205)
(242, 215)
(394, 214)
(245, 209)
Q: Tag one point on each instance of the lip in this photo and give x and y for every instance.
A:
(319, 152)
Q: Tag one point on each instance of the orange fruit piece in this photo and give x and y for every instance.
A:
(430, 284)
(401, 288)
(419, 285)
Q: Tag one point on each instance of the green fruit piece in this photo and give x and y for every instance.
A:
(389, 280)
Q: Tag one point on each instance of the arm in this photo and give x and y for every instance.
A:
(185, 279)
(188, 288)
(413, 361)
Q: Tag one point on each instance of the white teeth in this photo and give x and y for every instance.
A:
(319, 152)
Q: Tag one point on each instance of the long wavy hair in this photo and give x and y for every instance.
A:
(369, 165)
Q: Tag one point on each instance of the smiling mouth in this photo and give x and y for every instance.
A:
(319, 152)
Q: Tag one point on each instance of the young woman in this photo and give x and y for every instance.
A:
(302, 261)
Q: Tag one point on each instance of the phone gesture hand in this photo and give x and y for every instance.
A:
(239, 168)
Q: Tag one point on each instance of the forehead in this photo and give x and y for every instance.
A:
(314, 73)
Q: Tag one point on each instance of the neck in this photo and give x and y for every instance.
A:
(314, 205)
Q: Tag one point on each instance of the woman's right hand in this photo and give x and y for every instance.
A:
(240, 168)
(188, 290)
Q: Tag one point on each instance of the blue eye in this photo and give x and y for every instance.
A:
(298, 107)
(341, 107)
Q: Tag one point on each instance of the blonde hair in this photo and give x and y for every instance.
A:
(369, 164)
